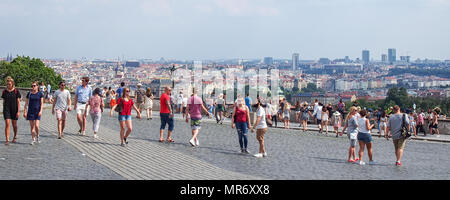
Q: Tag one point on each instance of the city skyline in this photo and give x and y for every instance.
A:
(224, 29)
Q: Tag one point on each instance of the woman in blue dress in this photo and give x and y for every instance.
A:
(33, 110)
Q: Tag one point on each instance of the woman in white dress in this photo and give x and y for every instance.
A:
(325, 116)
(148, 103)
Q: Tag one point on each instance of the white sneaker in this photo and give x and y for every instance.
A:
(95, 136)
(37, 140)
(192, 142)
(438, 136)
(259, 155)
(83, 133)
(372, 162)
(361, 162)
(32, 143)
(265, 154)
(197, 143)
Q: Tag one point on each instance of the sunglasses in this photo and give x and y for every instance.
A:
(62, 85)
(127, 91)
(33, 85)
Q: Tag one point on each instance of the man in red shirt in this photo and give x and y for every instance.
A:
(166, 115)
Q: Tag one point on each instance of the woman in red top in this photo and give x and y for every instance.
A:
(125, 116)
(241, 120)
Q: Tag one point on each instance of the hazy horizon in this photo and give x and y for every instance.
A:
(224, 29)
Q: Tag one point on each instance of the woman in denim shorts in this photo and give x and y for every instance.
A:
(125, 116)
(364, 137)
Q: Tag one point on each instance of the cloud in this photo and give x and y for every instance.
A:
(157, 8)
(13, 10)
(247, 7)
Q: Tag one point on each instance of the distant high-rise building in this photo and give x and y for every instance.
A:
(347, 59)
(268, 60)
(405, 58)
(392, 56)
(384, 58)
(295, 58)
(365, 56)
(324, 61)
(132, 64)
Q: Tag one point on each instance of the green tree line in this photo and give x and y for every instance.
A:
(399, 96)
(443, 73)
(25, 70)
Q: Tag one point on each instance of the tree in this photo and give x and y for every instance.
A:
(25, 70)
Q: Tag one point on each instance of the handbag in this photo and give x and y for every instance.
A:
(269, 120)
(404, 131)
(353, 134)
(119, 107)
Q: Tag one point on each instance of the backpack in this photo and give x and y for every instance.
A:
(404, 131)
(15, 91)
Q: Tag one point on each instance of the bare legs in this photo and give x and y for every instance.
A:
(123, 135)
(82, 122)
(7, 131)
(34, 128)
(369, 150)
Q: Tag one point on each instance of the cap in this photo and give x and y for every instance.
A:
(139, 84)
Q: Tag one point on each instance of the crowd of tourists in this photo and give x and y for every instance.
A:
(357, 123)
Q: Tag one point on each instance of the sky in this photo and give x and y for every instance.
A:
(224, 29)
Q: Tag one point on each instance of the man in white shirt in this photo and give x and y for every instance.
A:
(318, 115)
(61, 104)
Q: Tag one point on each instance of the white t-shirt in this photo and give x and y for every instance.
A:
(220, 101)
(261, 113)
(180, 99)
(319, 112)
(185, 99)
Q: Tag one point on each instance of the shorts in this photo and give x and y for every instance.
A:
(139, 105)
(196, 124)
(184, 110)
(433, 126)
(61, 114)
(319, 121)
(124, 118)
(352, 142)
(80, 109)
(364, 137)
(260, 134)
(220, 108)
(400, 143)
(166, 119)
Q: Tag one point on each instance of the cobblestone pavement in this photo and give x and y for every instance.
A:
(52, 159)
(297, 155)
(292, 154)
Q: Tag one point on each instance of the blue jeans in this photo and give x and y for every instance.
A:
(242, 129)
